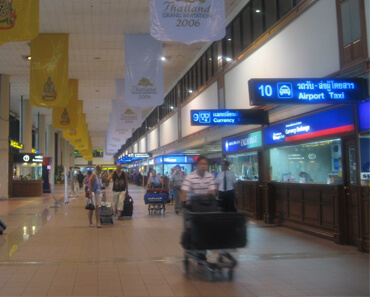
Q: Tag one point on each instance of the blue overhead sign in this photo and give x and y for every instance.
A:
(246, 141)
(364, 116)
(223, 117)
(175, 159)
(330, 122)
(307, 91)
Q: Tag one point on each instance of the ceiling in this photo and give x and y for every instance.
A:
(96, 53)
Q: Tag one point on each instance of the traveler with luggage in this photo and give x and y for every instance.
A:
(120, 189)
(95, 195)
(225, 184)
(155, 181)
(176, 181)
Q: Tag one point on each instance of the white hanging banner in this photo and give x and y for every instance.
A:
(143, 71)
(187, 21)
(125, 116)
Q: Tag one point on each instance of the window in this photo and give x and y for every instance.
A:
(228, 44)
(351, 25)
(246, 27)
(270, 13)
(314, 162)
(244, 165)
(236, 37)
(284, 7)
(257, 19)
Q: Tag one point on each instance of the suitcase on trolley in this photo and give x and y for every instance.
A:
(128, 207)
(215, 231)
(106, 213)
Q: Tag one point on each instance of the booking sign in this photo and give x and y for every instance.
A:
(307, 91)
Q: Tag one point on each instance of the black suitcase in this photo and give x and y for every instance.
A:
(2, 226)
(106, 213)
(216, 230)
(128, 207)
(203, 203)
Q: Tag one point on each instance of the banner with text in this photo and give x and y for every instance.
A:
(49, 71)
(126, 116)
(19, 20)
(143, 71)
(187, 21)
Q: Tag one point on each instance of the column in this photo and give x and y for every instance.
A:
(26, 126)
(41, 132)
(50, 152)
(4, 136)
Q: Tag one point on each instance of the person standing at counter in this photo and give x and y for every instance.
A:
(226, 183)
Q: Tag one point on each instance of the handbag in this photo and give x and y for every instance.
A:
(90, 205)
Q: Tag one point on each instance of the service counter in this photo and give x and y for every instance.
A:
(319, 209)
(249, 198)
(27, 188)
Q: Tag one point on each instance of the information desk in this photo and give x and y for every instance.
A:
(27, 188)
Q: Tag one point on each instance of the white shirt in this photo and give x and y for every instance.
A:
(230, 180)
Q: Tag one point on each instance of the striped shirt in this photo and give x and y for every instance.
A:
(197, 185)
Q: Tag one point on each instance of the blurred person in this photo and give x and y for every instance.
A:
(176, 181)
(199, 182)
(80, 178)
(95, 193)
(87, 180)
(120, 189)
(225, 185)
(155, 180)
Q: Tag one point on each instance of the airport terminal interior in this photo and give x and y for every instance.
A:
(277, 88)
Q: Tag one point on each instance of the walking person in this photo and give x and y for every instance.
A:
(80, 179)
(176, 181)
(95, 194)
(199, 182)
(120, 189)
(225, 184)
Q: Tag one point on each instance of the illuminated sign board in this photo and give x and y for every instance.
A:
(307, 91)
(223, 117)
(16, 144)
(139, 155)
(158, 160)
(246, 141)
(27, 158)
(328, 122)
(175, 159)
(364, 116)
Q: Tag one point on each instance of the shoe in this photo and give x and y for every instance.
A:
(92, 225)
(98, 226)
(120, 218)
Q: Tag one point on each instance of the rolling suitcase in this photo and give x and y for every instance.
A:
(2, 226)
(106, 213)
(128, 207)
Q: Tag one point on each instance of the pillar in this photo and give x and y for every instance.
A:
(50, 151)
(4, 136)
(41, 134)
(26, 126)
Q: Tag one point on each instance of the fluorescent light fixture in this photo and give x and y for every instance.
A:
(228, 59)
(258, 10)
(163, 58)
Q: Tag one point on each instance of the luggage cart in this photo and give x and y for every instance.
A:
(156, 202)
(219, 232)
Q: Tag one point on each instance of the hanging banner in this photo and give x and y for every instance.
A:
(125, 116)
(67, 117)
(19, 20)
(187, 21)
(73, 134)
(143, 71)
(49, 71)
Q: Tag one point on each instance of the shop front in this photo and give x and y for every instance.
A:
(25, 175)
(244, 153)
(312, 184)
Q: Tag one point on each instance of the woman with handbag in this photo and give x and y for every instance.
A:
(95, 195)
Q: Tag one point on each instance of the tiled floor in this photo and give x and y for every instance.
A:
(48, 251)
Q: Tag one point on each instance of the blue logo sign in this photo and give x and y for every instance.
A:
(336, 121)
(364, 116)
(222, 117)
(242, 142)
(307, 91)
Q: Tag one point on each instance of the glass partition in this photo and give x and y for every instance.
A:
(244, 165)
(314, 162)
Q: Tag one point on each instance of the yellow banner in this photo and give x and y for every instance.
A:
(19, 20)
(74, 134)
(49, 71)
(67, 117)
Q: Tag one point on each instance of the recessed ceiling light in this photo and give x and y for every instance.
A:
(26, 58)
(163, 58)
(258, 10)
(97, 91)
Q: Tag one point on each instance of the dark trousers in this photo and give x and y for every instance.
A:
(227, 200)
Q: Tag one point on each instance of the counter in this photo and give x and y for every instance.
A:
(26, 188)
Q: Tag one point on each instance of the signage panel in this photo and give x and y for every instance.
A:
(246, 141)
(328, 122)
(175, 159)
(27, 158)
(364, 116)
(158, 160)
(307, 91)
(223, 117)
(16, 144)
(139, 155)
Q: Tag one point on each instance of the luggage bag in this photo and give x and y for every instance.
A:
(128, 207)
(106, 213)
(2, 226)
